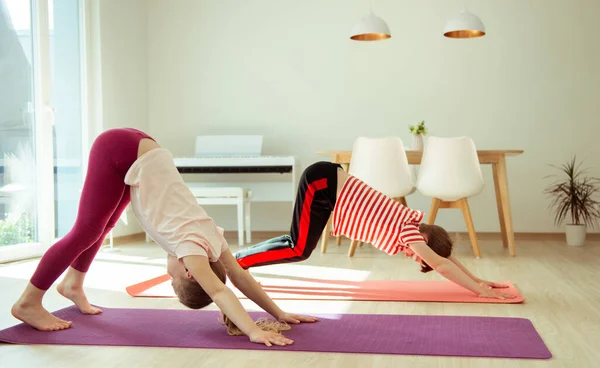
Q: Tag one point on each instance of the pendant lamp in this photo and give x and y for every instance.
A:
(370, 28)
(465, 25)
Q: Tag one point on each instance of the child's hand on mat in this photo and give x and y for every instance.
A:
(492, 293)
(269, 338)
(296, 318)
(490, 284)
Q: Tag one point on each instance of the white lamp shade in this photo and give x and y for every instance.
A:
(370, 28)
(465, 25)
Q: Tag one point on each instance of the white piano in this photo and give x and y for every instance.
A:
(236, 160)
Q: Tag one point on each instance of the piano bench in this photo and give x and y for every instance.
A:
(227, 196)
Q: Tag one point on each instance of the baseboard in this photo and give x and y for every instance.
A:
(459, 236)
(527, 236)
(126, 239)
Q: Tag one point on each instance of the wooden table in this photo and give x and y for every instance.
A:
(496, 158)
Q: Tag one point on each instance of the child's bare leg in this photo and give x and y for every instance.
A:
(72, 288)
(29, 309)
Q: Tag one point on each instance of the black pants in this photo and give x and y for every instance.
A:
(314, 203)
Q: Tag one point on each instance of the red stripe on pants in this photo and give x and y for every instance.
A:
(273, 255)
(304, 226)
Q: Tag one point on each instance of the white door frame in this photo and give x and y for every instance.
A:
(44, 122)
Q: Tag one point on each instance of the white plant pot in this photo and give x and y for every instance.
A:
(417, 142)
(575, 235)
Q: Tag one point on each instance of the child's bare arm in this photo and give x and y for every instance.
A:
(229, 304)
(475, 278)
(248, 285)
(464, 269)
(219, 293)
(445, 267)
(452, 272)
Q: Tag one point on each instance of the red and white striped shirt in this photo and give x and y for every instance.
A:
(362, 213)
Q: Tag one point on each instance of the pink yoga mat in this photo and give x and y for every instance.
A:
(343, 333)
(318, 289)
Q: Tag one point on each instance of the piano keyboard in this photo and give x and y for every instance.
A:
(235, 164)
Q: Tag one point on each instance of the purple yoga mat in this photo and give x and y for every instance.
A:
(343, 333)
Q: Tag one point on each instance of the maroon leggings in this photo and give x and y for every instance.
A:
(103, 198)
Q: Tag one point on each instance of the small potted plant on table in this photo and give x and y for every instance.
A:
(418, 131)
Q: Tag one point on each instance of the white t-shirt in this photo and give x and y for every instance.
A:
(167, 210)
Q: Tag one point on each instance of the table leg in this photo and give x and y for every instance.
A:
(499, 205)
(502, 198)
(325, 235)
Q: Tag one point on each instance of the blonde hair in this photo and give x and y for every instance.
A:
(191, 294)
(264, 324)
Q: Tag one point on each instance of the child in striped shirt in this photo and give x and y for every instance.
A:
(362, 213)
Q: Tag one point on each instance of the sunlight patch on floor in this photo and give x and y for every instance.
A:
(103, 275)
(114, 256)
(116, 271)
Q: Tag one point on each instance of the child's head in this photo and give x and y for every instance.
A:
(438, 240)
(189, 291)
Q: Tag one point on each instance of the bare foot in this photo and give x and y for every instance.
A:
(77, 296)
(37, 317)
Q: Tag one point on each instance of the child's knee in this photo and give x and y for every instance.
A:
(85, 235)
(305, 255)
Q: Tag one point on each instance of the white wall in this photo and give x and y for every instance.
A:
(124, 65)
(123, 34)
(288, 70)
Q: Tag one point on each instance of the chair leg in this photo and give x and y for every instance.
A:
(464, 206)
(435, 206)
(240, 219)
(338, 240)
(325, 235)
(248, 222)
(360, 244)
(352, 248)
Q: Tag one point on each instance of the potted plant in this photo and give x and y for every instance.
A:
(418, 131)
(573, 195)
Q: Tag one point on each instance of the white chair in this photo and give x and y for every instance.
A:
(450, 173)
(382, 164)
(237, 196)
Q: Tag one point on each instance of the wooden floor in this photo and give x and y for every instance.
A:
(560, 284)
